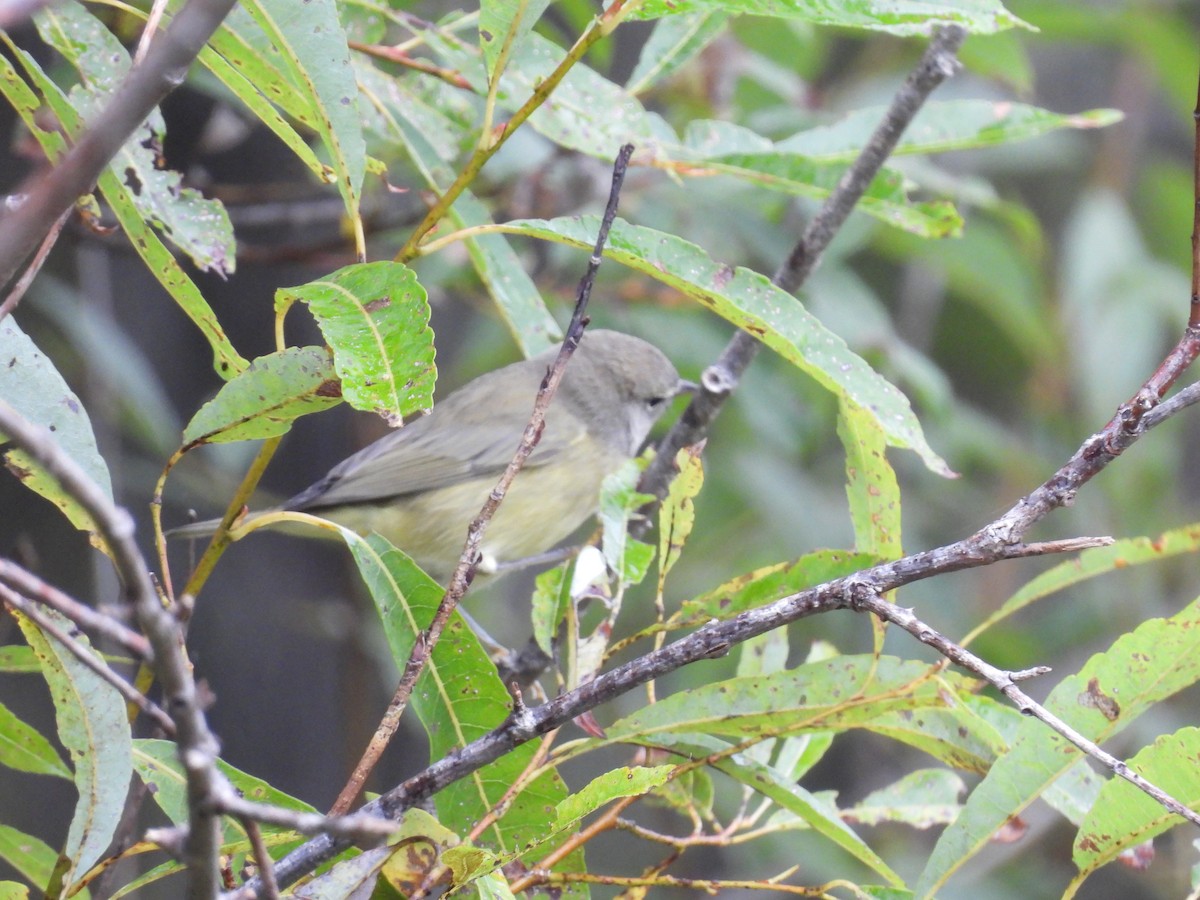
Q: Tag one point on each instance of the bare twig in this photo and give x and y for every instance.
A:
(359, 828)
(1185, 398)
(84, 616)
(88, 657)
(262, 859)
(720, 379)
(1131, 421)
(1006, 682)
(45, 196)
(157, 8)
(398, 56)
(464, 572)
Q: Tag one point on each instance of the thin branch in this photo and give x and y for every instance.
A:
(395, 54)
(1194, 315)
(606, 821)
(359, 828)
(157, 8)
(601, 26)
(720, 379)
(87, 656)
(46, 195)
(35, 265)
(1006, 682)
(262, 859)
(1133, 418)
(707, 885)
(464, 572)
(84, 616)
(197, 747)
(1181, 401)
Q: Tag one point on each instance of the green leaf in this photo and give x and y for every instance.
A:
(161, 263)
(954, 735)
(624, 781)
(15, 659)
(1091, 563)
(870, 484)
(31, 383)
(418, 847)
(586, 112)
(764, 654)
(197, 226)
(502, 26)
(157, 764)
(839, 693)
(677, 514)
(494, 886)
(312, 45)
(467, 863)
(620, 501)
(350, 878)
(399, 118)
(1001, 57)
(250, 50)
(905, 17)
(764, 585)
(1112, 689)
(675, 41)
(431, 142)
(722, 148)
(812, 162)
(238, 55)
(1124, 816)
(551, 600)
(267, 398)
(24, 749)
(1075, 792)
(503, 274)
(93, 727)
(375, 317)
(458, 698)
(30, 856)
(117, 366)
(920, 799)
(942, 126)
(158, 259)
(749, 301)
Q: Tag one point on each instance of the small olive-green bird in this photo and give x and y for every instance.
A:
(422, 485)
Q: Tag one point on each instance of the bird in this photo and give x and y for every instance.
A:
(421, 485)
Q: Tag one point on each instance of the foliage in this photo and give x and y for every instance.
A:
(938, 298)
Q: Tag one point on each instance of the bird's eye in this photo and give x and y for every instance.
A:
(655, 402)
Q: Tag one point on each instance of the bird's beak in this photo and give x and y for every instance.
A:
(686, 387)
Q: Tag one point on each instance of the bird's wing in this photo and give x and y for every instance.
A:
(420, 458)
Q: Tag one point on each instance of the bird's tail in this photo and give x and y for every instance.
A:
(196, 530)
